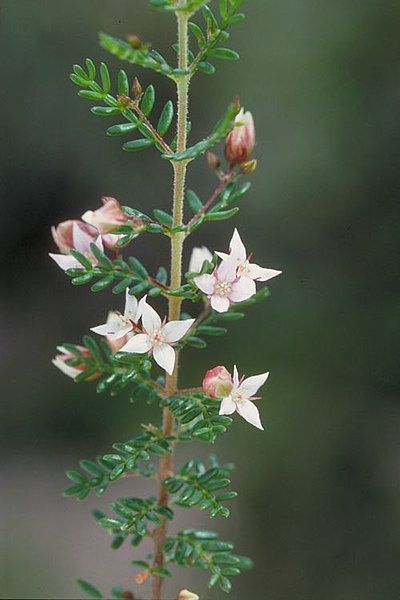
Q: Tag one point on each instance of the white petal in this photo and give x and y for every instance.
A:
(227, 406)
(164, 355)
(242, 289)
(122, 332)
(205, 283)
(175, 330)
(222, 255)
(235, 377)
(138, 344)
(227, 270)
(89, 217)
(150, 319)
(238, 251)
(260, 274)
(81, 239)
(197, 258)
(66, 261)
(220, 303)
(250, 385)
(99, 243)
(249, 411)
(131, 306)
(64, 368)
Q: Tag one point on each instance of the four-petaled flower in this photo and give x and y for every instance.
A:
(244, 267)
(157, 337)
(118, 325)
(74, 235)
(241, 398)
(223, 286)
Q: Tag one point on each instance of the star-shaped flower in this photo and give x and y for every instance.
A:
(244, 267)
(223, 286)
(241, 398)
(158, 337)
(118, 325)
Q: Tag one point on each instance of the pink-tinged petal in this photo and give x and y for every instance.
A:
(139, 344)
(99, 243)
(164, 355)
(205, 283)
(249, 411)
(81, 239)
(260, 274)
(222, 255)
(235, 377)
(66, 369)
(131, 307)
(220, 303)
(227, 270)
(250, 385)
(150, 319)
(242, 289)
(238, 251)
(227, 407)
(175, 330)
(66, 261)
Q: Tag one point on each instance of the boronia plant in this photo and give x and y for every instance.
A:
(138, 350)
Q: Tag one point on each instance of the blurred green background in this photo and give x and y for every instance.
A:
(319, 497)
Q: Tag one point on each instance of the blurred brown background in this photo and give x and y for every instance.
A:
(319, 491)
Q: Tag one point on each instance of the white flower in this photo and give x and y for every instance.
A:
(241, 396)
(81, 241)
(224, 287)
(119, 325)
(244, 267)
(157, 338)
(197, 258)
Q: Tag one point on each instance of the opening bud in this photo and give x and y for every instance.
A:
(217, 382)
(240, 142)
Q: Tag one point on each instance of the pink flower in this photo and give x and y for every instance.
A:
(240, 142)
(158, 337)
(60, 362)
(244, 267)
(223, 286)
(186, 595)
(108, 217)
(78, 236)
(241, 397)
(217, 382)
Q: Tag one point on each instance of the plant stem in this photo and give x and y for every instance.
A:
(174, 303)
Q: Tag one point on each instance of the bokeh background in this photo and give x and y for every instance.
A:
(319, 491)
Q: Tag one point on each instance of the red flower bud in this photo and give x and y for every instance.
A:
(240, 142)
(217, 382)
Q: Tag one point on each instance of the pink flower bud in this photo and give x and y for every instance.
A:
(240, 142)
(106, 218)
(72, 371)
(217, 382)
(186, 595)
(63, 234)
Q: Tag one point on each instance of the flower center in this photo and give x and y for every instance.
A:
(223, 288)
(157, 338)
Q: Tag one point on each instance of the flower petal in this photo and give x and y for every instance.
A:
(131, 306)
(227, 270)
(205, 283)
(220, 303)
(227, 407)
(164, 355)
(249, 411)
(138, 344)
(222, 255)
(81, 239)
(260, 274)
(235, 377)
(64, 368)
(66, 261)
(242, 289)
(238, 251)
(249, 386)
(150, 319)
(197, 258)
(175, 330)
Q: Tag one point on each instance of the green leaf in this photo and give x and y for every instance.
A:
(105, 77)
(194, 201)
(89, 590)
(148, 100)
(196, 342)
(123, 83)
(163, 217)
(224, 53)
(102, 284)
(105, 111)
(137, 145)
(138, 267)
(91, 68)
(220, 131)
(197, 32)
(222, 215)
(166, 117)
(121, 129)
(206, 67)
(82, 279)
(82, 259)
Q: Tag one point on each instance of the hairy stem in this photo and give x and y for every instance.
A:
(174, 303)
